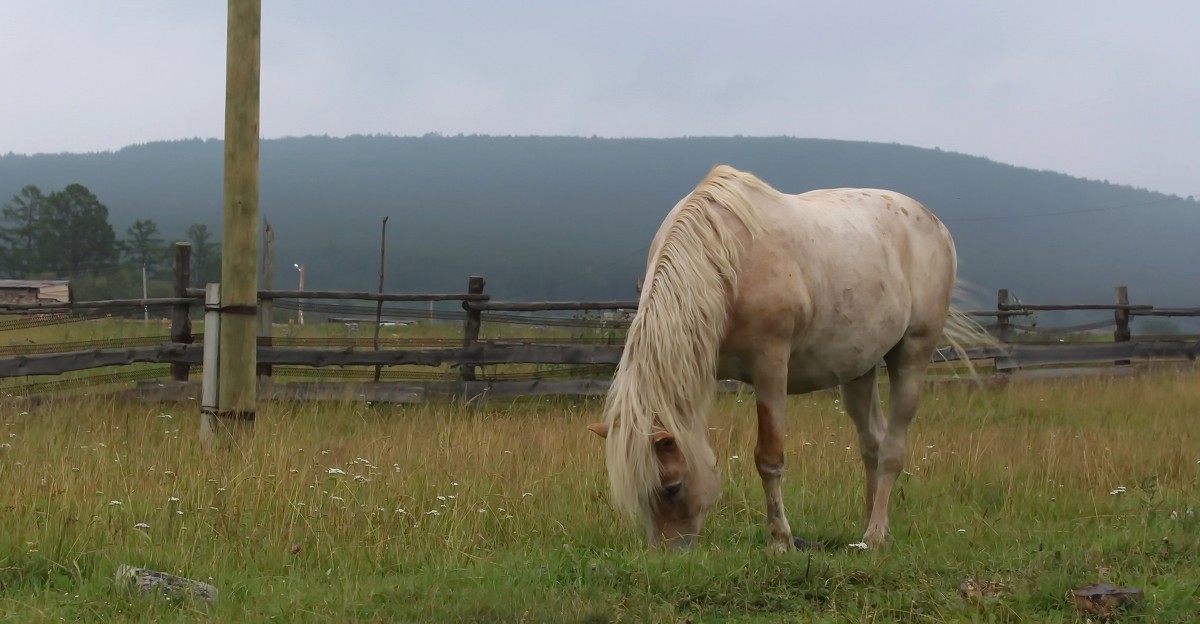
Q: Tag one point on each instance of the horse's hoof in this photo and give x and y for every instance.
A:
(802, 544)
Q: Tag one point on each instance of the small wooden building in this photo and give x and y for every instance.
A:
(35, 291)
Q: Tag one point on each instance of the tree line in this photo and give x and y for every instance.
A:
(66, 234)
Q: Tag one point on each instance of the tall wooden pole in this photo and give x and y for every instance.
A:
(239, 257)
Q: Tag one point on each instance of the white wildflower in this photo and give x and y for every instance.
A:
(141, 525)
(1119, 490)
(113, 503)
(335, 471)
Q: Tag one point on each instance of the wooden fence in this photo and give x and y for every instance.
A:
(183, 351)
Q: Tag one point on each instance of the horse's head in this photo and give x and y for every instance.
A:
(682, 494)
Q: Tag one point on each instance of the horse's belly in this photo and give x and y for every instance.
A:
(808, 372)
(843, 354)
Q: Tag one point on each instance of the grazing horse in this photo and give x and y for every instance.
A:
(790, 294)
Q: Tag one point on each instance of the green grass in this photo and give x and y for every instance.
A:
(1011, 485)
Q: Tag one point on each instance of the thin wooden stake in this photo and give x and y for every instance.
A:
(379, 305)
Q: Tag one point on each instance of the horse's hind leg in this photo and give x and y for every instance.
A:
(906, 364)
(861, 399)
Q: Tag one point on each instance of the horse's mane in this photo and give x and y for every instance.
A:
(667, 373)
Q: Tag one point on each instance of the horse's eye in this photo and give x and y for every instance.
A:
(671, 491)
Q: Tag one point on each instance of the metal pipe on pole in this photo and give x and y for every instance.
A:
(211, 366)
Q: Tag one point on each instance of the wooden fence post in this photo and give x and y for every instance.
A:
(266, 307)
(471, 327)
(181, 318)
(1003, 325)
(1121, 331)
(1003, 319)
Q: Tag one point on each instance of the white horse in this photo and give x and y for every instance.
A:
(788, 293)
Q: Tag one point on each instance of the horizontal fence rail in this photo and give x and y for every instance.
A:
(1005, 356)
(578, 359)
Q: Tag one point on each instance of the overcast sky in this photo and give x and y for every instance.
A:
(1098, 89)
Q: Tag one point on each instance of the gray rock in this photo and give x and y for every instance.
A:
(171, 586)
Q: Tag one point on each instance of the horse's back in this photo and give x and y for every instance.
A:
(850, 272)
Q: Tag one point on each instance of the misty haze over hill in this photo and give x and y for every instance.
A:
(565, 217)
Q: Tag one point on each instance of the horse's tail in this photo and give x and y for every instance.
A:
(962, 331)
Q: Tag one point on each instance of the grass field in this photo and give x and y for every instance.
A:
(499, 513)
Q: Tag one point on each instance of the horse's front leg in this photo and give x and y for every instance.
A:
(770, 389)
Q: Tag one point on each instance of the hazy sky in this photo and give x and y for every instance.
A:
(1098, 89)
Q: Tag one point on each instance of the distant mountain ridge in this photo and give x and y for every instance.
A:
(571, 217)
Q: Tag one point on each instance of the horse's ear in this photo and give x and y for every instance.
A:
(600, 429)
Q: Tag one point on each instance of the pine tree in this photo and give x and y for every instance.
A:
(144, 247)
(74, 236)
(18, 235)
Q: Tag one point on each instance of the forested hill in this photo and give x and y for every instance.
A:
(561, 217)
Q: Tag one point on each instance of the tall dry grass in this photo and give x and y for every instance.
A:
(499, 511)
